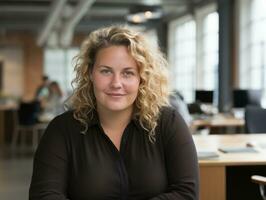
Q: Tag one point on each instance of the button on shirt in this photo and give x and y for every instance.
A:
(76, 166)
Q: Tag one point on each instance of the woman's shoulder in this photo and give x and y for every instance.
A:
(67, 115)
(59, 135)
(169, 113)
(65, 119)
(171, 124)
(63, 127)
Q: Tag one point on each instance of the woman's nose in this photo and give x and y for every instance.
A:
(116, 81)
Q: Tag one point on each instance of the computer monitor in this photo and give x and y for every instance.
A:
(242, 98)
(204, 96)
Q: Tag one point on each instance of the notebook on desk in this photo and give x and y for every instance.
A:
(207, 155)
(237, 150)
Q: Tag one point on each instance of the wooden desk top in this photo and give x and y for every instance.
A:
(218, 121)
(10, 106)
(213, 142)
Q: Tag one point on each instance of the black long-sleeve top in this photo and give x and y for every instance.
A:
(75, 166)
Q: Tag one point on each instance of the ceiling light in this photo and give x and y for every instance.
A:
(143, 13)
(148, 14)
(137, 18)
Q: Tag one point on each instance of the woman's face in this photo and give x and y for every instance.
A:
(116, 79)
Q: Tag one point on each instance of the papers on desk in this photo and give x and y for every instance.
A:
(202, 155)
(212, 154)
(237, 150)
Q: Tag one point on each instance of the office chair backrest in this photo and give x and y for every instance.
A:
(194, 108)
(28, 112)
(243, 98)
(255, 119)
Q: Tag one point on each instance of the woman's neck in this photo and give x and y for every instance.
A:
(115, 120)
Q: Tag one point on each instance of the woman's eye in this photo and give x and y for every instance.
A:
(105, 71)
(129, 73)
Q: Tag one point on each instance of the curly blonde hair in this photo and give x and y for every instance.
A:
(153, 89)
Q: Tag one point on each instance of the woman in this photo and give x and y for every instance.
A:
(53, 104)
(121, 141)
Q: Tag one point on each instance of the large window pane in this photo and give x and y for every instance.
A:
(185, 59)
(253, 45)
(59, 67)
(210, 51)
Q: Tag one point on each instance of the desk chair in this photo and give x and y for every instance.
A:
(26, 122)
(195, 108)
(261, 180)
(255, 117)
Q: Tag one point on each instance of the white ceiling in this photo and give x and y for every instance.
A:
(31, 15)
(59, 20)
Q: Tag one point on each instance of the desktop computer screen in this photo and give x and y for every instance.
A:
(242, 98)
(204, 96)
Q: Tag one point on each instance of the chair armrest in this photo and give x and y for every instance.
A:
(258, 179)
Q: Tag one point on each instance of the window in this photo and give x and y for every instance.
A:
(183, 61)
(258, 42)
(58, 66)
(210, 52)
(193, 52)
(252, 49)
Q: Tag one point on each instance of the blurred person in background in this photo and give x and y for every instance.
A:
(42, 93)
(178, 102)
(53, 104)
(43, 90)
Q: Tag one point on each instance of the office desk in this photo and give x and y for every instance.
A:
(217, 121)
(214, 172)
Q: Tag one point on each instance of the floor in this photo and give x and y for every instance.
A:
(15, 174)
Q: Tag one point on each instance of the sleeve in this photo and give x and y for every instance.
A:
(181, 160)
(50, 167)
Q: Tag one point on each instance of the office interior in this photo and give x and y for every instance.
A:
(216, 51)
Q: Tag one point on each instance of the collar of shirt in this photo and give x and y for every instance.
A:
(96, 121)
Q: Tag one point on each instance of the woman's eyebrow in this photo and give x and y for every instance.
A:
(130, 68)
(105, 66)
